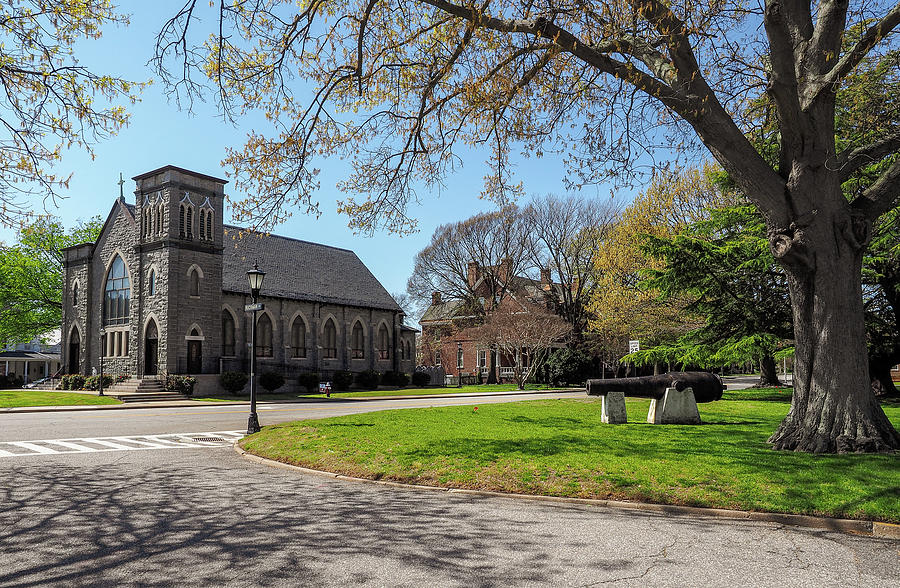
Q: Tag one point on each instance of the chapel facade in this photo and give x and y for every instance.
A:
(163, 289)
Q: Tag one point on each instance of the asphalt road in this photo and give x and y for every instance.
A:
(176, 516)
(210, 416)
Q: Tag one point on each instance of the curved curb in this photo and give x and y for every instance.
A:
(851, 526)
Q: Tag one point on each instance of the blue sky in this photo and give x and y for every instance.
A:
(161, 134)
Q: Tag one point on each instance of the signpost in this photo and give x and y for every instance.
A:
(634, 345)
(254, 307)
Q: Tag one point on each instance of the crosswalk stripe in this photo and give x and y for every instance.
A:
(108, 443)
(159, 439)
(120, 443)
(138, 441)
(33, 447)
(74, 446)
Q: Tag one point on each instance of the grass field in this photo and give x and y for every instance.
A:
(377, 393)
(13, 398)
(560, 448)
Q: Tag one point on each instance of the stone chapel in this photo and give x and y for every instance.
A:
(163, 289)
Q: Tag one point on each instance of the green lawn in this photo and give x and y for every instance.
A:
(375, 393)
(12, 398)
(560, 447)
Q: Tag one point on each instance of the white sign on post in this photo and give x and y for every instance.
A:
(633, 346)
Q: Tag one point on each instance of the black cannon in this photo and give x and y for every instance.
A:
(706, 386)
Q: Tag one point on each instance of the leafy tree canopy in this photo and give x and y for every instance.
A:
(31, 277)
(49, 101)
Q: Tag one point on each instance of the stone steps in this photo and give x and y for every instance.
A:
(142, 390)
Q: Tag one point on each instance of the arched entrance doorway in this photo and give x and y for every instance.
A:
(74, 351)
(151, 349)
(194, 352)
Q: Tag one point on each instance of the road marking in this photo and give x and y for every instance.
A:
(120, 443)
(33, 447)
(73, 446)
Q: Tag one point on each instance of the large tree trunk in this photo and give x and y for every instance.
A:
(833, 408)
(768, 372)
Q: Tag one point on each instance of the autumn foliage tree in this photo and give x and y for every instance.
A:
(397, 86)
(49, 101)
(621, 306)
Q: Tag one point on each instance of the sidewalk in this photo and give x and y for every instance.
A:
(201, 403)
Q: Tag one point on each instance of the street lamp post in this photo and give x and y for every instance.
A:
(100, 383)
(255, 277)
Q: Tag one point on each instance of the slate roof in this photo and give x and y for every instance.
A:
(300, 270)
(449, 309)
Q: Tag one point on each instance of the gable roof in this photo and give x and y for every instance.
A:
(300, 270)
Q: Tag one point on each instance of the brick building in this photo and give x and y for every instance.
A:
(444, 341)
(166, 280)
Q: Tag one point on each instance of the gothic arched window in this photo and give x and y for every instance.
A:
(195, 282)
(190, 222)
(117, 299)
(181, 220)
(358, 342)
(209, 220)
(329, 340)
(298, 338)
(264, 336)
(227, 333)
(160, 218)
(384, 342)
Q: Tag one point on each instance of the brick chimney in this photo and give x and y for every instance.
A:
(546, 283)
(435, 298)
(504, 270)
(474, 273)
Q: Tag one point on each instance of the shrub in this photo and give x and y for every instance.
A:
(342, 380)
(11, 381)
(389, 378)
(271, 381)
(421, 378)
(309, 381)
(71, 382)
(183, 384)
(233, 382)
(401, 379)
(568, 366)
(93, 382)
(368, 379)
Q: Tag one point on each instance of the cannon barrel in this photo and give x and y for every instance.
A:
(706, 386)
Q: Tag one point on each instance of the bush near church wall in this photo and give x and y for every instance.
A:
(93, 382)
(309, 381)
(233, 382)
(420, 379)
(368, 380)
(183, 384)
(342, 380)
(392, 378)
(71, 382)
(271, 381)
(11, 381)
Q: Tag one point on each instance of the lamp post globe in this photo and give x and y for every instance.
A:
(255, 278)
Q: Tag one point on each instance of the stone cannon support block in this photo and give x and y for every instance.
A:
(613, 409)
(674, 408)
